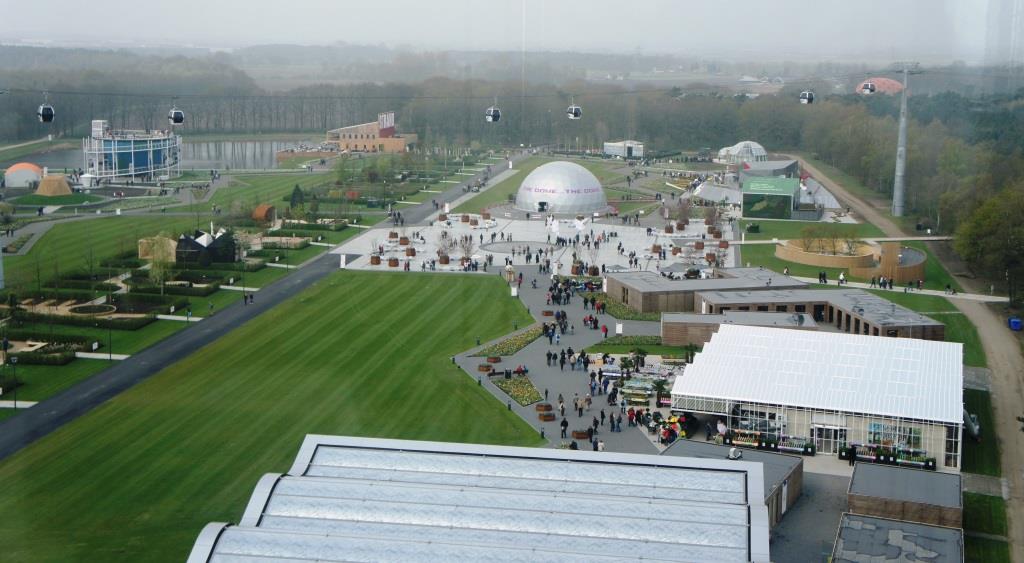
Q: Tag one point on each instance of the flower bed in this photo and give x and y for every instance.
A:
(519, 388)
(632, 340)
(512, 344)
(621, 311)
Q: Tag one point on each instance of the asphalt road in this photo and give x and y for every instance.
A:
(48, 415)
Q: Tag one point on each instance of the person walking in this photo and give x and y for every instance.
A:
(602, 417)
(565, 426)
(618, 423)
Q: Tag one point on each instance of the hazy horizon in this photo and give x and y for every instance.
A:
(930, 31)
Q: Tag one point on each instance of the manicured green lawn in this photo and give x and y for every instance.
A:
(916, 301)
(265, 188)
(261, 277)
(786, 230)
(8, 413)
(70, 199)
(958, 327)
(985, 514)
(138, 477)
(498, 193)
(984, 550)
(935, 275)
(981, 457)
(41, 382)
(66, 246)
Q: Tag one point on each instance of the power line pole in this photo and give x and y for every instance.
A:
(898, 185)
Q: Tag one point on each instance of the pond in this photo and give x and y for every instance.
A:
(200, 155)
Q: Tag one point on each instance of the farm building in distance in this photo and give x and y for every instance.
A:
(624, 149)
(376, 136)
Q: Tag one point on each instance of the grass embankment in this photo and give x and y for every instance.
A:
(269, 188)
(792, 230)
(43, 200)
(66, 246)
(139, 476)
(981, 457)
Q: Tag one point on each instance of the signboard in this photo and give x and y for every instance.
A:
(618, 328)
(515, 291)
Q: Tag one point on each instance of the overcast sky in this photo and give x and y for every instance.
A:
(929, 30)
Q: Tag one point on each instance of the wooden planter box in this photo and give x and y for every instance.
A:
(392, 234)
(392, 262)
(681, 225)
(375, 260)
(676, 250)
(710, 256)
(543, 407)
(575, 270)
(708, 222)
(723, 244)
(669, 229)
(410, 251)
(474, 222)
(699, 245)
(548, 313)
(486, 368)
(404, 241)
(442, 217)
(579, 435)
(594, 271)
(716, 234)
(493, 359)
(444, 259)
(656, 248)
(710, 229)
(485, 215)
(546, 416)
(465, 218)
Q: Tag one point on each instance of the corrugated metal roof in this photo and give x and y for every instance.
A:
(899, 377)
(358, 499)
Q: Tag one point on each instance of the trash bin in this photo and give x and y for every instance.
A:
(1015, 323)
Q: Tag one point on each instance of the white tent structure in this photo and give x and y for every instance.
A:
(561, 187)
(832, 389)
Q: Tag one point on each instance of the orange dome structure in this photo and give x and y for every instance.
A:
(23, 175)
(882, 85)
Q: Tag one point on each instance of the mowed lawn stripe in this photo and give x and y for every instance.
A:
(359, 354)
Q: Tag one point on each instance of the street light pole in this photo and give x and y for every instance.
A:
(14, 366)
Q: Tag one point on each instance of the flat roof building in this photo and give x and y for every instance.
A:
(783, 474)
(650, 292)
(878, 396)
(770, 197)
(849, 310)
(400, 500)
(902, 493)
(680, 329)
(375, 136)
(866, 539)
(624, 149)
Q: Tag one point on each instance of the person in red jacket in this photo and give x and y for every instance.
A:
(604, 331)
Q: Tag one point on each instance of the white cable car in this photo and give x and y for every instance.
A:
(493, 114)
(573, 111)
(45, 112)
(175, 116)
(867, 88)
(806, 97)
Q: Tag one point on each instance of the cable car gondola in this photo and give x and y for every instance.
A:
(574, 111)
(806, 97)
(175, 116)
(45, 112)
(867, 88)
(493, 114)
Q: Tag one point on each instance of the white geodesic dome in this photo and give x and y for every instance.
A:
(562, 187)
(743, 151)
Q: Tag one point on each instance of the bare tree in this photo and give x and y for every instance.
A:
(467, 245)
(161, 259)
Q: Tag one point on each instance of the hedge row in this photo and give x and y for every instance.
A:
(40, 336)
(316, 227)
(190, 291)
(81, 284)
(77, 320)
(60, 358)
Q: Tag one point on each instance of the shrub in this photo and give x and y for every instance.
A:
(198, 276)
(636, 340)
(8, 383)
(193, 291)
(21, 316)
(62, 358)
(65, 294)
(81, 284)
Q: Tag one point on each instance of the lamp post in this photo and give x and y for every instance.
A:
(14, 367)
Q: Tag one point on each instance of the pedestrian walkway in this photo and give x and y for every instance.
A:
(985, 485)
(569, 383)
(101, 356)
(21, 404)
(935, 292)
(180, 318)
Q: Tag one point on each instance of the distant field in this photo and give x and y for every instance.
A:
(265, 188)
(138, 477)
(66, 246)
